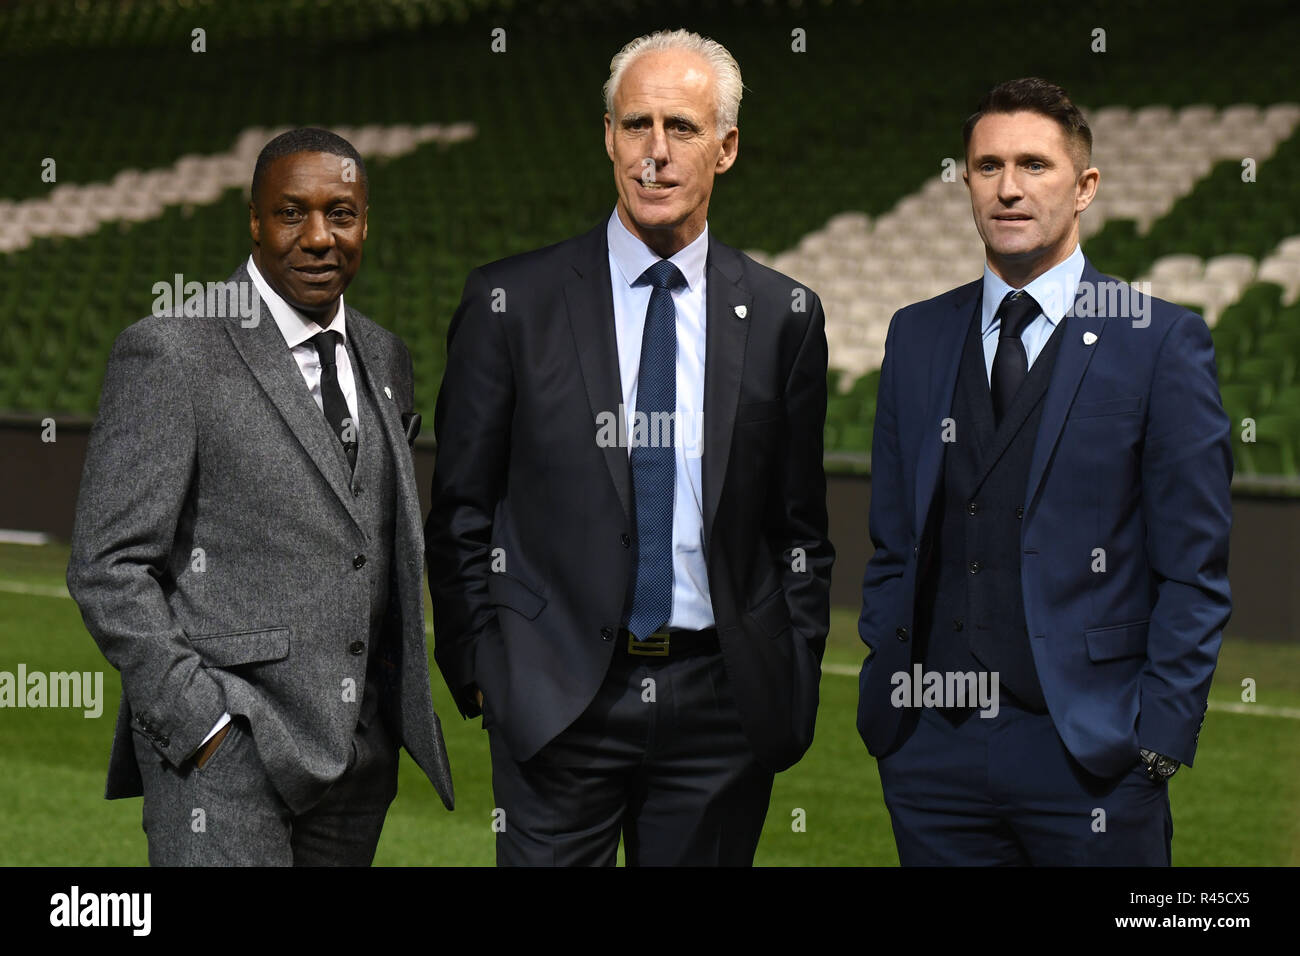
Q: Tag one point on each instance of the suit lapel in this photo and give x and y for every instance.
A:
(590, 302)
(369, 348)
(1071, 363)
(263, 350)
(945, 359)
(728, 312)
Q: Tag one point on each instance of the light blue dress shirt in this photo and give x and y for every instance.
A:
(1053, 291)
(629, 257)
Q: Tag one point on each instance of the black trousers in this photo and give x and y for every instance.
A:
(658, 757)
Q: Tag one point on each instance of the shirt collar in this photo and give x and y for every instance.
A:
(633, 257)
(1053, 290)
(296, 328)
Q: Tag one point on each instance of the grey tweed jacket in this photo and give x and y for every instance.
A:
(215, 549)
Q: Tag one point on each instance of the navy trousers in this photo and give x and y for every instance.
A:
(976, 791)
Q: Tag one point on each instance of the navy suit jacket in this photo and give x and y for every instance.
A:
(1133, 457)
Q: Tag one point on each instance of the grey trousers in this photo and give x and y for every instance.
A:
(229, 814)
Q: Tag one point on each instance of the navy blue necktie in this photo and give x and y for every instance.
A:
(1010, 363)
(653, 455)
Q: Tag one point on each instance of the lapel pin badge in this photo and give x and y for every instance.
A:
(741, 311)
(389, 392)
(1089, 338)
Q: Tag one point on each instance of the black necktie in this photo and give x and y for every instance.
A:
(335, 405)
(1010, 363)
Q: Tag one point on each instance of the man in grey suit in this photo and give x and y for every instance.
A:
(248, 545)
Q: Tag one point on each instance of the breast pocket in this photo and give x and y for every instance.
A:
(1126, 405)
(752, 413)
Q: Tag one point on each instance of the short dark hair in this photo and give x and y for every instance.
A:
(307, 139)
(1034, 95)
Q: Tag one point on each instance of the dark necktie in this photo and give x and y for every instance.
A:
(653, 457)
(335, 405)
(1010, 363)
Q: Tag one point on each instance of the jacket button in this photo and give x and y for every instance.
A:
(163, 741)
(356, 491)
(625, 539)
(957, 624)
(972, 508)
(1020, 511)
(606, 633)
(902, 633)
(975, 567)
(356, 647)
(359, 561)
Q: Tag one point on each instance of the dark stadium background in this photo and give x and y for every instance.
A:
(855, 124)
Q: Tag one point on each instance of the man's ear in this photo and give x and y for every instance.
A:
(254, 224)
(365, 223)
(730, 150)
(1087, 185)
(609, 138)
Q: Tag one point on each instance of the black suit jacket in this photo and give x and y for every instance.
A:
(530, 540)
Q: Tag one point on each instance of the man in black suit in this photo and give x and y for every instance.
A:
(627, 548)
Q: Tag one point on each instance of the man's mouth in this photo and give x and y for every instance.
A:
(1012, 217)
(654, 185)
(316, 272)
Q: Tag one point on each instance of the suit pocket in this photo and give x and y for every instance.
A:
(242, 647)
(1117, 641)
(507, 591)
(1109, 406)
(751, 413)
(771, 615)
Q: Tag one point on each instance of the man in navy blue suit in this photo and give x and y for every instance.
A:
(1050, 514)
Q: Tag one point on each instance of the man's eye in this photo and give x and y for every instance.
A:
(290, 213)
(341, 214)
(1036, 166)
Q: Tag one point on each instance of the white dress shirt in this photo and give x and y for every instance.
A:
(629, 257)
(298, 330)
(1053, 291)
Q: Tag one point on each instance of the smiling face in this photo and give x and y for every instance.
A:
(308, 225)
(1026, 193)
(665, 111)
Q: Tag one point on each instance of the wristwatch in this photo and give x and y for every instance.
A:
(1159, 767)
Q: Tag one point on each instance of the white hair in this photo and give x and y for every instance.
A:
(726, 71)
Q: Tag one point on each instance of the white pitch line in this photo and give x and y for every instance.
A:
(39, 590)
(1254, 710)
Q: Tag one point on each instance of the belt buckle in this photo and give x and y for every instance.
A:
(656, 645)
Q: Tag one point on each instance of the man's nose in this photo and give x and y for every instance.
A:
(1009, 184)
(316, 233)
(658, 146)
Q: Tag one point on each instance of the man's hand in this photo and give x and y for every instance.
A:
(478, 695)
(204, 753)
